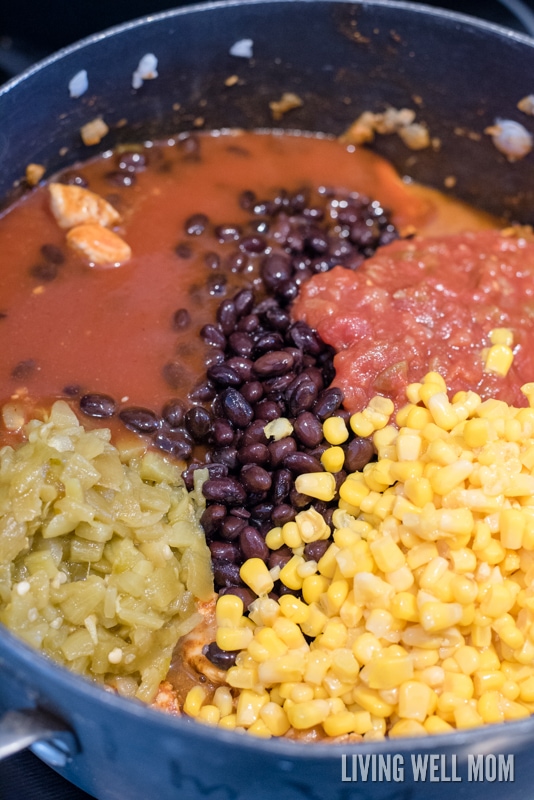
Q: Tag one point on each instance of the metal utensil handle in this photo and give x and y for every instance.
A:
(22, 729)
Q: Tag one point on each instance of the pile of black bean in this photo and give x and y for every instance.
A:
(268, 367)
(260, 366)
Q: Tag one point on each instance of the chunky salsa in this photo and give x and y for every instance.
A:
(428, 303)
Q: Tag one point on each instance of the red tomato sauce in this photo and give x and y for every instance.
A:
(111, 330)
(427, 304)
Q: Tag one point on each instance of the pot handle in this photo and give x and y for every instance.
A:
(50, 738)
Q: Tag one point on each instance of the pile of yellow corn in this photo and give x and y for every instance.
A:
(419, 616)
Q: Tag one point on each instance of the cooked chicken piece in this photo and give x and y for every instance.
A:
(98, 245)
(74, 205)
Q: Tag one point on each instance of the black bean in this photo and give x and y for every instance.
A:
(358, 453)
(249, 323)
(253, 244)
(101, 406)
(280, 449)
(272, 364)
(242, 366)
(241, 343)
(306, 339)
(140, 420)
(231, 527)
(267, 410)
(308, 429)
(243, 592)
(244, 302)
(213, 335)
(181, 319)
(274, 269)
(302, 462)
(328, 401)
(261, 512)
(252, 544)
(216, 284)
(313, 551)
(275, 388)
(282, 513)
(277, 319)
(196, 224)
(224, 490)
(298, 500)
(214, 356)
(202, 392)
(72, 390)
(223, 375)
(132, 161)
(268, 342)
(45, 272)
(255, 453)
(237, 262)
(212, 260)
(227, 233)
(226, 455)
(252, 391)
(227, 316)
(236, 408)
(73, 178)
(301, 397)
(255, 478)
(222, 659)
(118, 178)
(225, 573)
(53, 254)
(282, 483)
(222, 432)
(173, 441)
(198, 422)
(287, 291)
(226, 551)
(215, 470)
(254, 433)
(212, 518)
(183, 250)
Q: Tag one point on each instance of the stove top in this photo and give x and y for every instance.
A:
(31, 30)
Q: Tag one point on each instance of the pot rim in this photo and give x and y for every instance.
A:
(14, 652)
(423, 9)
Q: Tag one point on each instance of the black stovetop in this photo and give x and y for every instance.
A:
(30, 30)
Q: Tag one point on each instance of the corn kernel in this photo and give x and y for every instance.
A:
(209, 714)
(333, 459)
(275, 718)
(274, 539)
(194, 701)
(255, 574)
(414, 700)
(335, 431)
(499, 359)
(229, 611)
(309, 714)
(289, 575)
(233, 638)
(228, 722)
(320, 485)
(438, 616)
(387, 669)
(222, 698)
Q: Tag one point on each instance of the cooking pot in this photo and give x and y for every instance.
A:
(341, 58)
